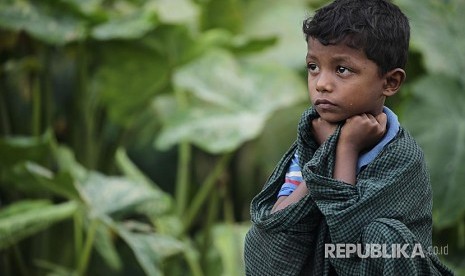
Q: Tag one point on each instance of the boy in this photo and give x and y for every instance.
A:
(356, 198)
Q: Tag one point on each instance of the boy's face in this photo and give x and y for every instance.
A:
(343, 82)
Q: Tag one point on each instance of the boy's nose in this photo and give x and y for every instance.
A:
(323, 83)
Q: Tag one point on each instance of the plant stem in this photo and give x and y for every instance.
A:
(86, 253)
(184, 159)
(212, 214)
(182, 181)
(77, 235)
(20, 260)
(228, 207)
(205, 190)
(5, 128)
(192, 260)
(89, 113)
(46, 89)
(83, 113)
(36, 107)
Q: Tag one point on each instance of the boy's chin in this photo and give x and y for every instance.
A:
(333, 119)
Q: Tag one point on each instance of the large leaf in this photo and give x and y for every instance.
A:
(436, 118)
(130, 26)
(277, 137)
(179, 45)
(118, 195)
(29, 176)
(67, 163)
(25, 218)
(231, 102)
(224, 14)
(21, 148)
(255, 161)
(282, 19)
(54, 269)
(228, 239)
(176, 11)
(87, 7)
(438, 31)
(154, 209)
(106, 247)
(149, 248)
(175, 44)
(128, 79)
(131, 171)
(44, 22)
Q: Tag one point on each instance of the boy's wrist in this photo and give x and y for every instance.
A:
(348, 147)
(346, 162)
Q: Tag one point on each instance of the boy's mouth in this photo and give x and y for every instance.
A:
(320, 101)
(323, 105)
(323, 102)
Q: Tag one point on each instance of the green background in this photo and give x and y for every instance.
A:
(133, 134)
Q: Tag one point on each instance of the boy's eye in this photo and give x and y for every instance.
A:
(343, 70)
(312, 68)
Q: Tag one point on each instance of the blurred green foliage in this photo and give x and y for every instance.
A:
(134, 133)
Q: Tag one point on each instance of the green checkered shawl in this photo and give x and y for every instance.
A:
(390, 204)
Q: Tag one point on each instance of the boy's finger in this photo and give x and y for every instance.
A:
(382, 119)
(371, 117)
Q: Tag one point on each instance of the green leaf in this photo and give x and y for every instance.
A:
(21, 148)
(29, 176)
(229, 241)
(23, 219)
(87, 7)
(111, 194)
(149, 248)
(23, 206)
(132, 26)
(212, 129)
(153, 209)
(105, 246)
(243, 45)
(55, 269)
(437, 30)
(131, 171)
(225, 14)
(44, 22)
(436, 118)
(280, 132)
(175, 44)
(67, 163)
(177, 11)
(168, 225)
(231, 102)
(283, 20)
(128, 79)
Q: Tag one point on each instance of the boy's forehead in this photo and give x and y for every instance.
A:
(339, 50)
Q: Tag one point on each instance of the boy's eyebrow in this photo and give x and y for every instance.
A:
(341, 58)
(309, 56)
(335, 58)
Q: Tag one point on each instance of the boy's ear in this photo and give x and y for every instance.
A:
(392, 81)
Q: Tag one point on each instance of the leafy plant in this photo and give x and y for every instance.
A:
(436, 111)
(92, 75)
(92, 92)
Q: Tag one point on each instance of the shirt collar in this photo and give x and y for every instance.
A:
(392, 129)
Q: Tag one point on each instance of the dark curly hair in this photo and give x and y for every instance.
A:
(377, 27)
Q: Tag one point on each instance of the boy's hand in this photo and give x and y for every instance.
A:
(322, 129)
(362, 132)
